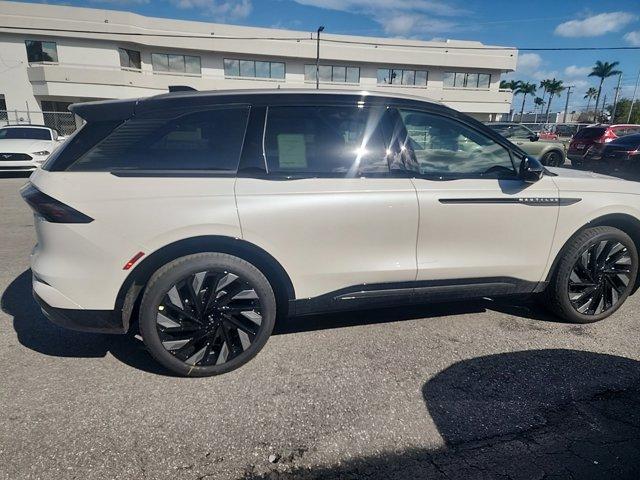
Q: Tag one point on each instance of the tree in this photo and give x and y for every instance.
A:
(554, 87)
(538, 102)
(589, 95)
(622, 112)
(544, 84)
(525, 88)
(513, 86)
(603, 70)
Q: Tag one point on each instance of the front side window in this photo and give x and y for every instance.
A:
(209, 140)
(446, 147)
(174, 63)
(39, 51)
(325, 141)
(407, 77)
(253, 69)
(129, 58)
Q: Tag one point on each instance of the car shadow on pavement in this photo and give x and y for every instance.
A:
(537, 414)
(37, 333)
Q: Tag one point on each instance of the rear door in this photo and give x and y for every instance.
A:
(315, 190)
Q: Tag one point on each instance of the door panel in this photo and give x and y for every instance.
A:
(333, 233)
(478, 228)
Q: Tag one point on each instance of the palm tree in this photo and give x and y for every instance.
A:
(602, 71)
(510, 85)
(554, 87)
(525, 88)
(590, 94)
(538, 102)
(544, 84)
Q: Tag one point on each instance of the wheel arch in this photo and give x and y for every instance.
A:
(622, 221)
(130, 292)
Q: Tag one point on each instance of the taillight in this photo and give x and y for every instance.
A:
(608, 136)
(51, 209)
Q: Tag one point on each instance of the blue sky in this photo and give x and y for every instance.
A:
(539, 23)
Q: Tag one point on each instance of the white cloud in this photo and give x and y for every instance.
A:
(595, 25)
(219, 10)
(402, 18)
(633, 38)
(575, 71)
(528, 62)
(423, 6)
(123, 3)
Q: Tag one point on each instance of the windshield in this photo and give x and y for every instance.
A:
(25, 133)
(590, 133)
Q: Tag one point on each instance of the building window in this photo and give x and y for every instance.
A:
(38, 51)
(253, 69)
(399, 76)
(332, 73)
(129, 58)
(172, 63)
(467, 80)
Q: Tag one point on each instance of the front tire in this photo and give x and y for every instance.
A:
(595, 275)
(206, 314)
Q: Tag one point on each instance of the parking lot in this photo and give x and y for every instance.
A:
(476, 390)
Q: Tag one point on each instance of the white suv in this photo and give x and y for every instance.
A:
(206, 216)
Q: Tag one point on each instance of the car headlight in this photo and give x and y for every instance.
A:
(42, 152)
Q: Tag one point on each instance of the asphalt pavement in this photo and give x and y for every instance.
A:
(476, 390)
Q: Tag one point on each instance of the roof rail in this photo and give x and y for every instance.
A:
(181, 88)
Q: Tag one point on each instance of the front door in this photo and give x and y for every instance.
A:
(478, 220)
(322, 201)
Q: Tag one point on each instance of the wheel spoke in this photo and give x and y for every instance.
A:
(242, 324)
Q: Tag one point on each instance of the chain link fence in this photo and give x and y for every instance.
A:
(65, 123)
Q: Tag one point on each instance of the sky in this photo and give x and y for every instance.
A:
(522, 24)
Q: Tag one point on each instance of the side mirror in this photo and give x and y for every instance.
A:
(535, 137)
(531, 170)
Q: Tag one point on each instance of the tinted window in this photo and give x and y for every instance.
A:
(340, 141)
(590, 133)
(129, 58)
(253, 68)
(28, 133)
(627, 141)
(162, 62)
(444, 146)
(38, 51)
(209, 140)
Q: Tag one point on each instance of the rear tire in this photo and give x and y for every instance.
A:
(553, 159)
(595, 275)
(206, 314)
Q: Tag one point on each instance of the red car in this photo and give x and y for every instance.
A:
(594, 137)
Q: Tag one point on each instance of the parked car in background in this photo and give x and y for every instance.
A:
(618, 157)
(550, 153)
(24, 148)
(595, 137)
(211, 215)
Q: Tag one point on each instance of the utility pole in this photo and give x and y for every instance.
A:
(320, 29)
(633, 99)
(615, 99)
(566, 103)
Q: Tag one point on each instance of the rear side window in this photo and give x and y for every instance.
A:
(590, 133)
(325, 141)
(208, 140)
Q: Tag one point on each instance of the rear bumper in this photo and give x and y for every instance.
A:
(97, 321)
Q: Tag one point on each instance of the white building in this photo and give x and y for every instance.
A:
(51, 56)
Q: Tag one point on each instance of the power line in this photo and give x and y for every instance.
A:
(212, 36)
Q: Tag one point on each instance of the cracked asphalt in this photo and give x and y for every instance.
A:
(479, 390)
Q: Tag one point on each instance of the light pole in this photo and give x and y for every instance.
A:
(566, 104)
(633, 99)
(320, 29)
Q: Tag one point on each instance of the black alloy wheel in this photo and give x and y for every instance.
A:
(600, 277)
(553, 159)
(206, 314)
